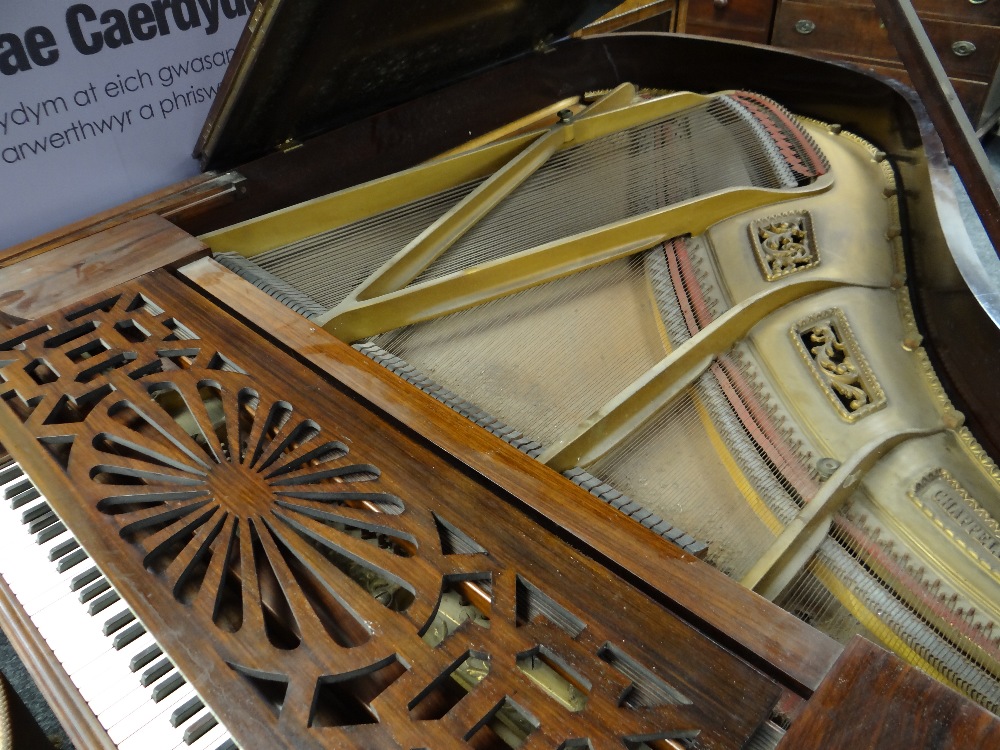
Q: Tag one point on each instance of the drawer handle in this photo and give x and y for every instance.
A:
(963, 48)
(805, 26)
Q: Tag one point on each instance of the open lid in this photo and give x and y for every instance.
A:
(306, 66)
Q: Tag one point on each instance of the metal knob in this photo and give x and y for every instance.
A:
(722, 3)
(977, 2)
(805, 26)
(963, 48)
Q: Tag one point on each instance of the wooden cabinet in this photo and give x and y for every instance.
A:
(747, 20)
(635, 15)
(965, 34)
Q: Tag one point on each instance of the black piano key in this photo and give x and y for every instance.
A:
(63, 548)
(50, 533)
(102, 602)
(23, 495)
(165, 687)
(95, 589)
(128, 635)
(117, 622)
(82, 579)
(185, 711)
(227, 745)
(9, 475)
(43, 521)
(197, 730)
(35, 511)
(155, 672)
(144, 657)
(73, 558)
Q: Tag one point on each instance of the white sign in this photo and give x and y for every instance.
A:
(102, 101)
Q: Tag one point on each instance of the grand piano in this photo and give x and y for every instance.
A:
(511, 392)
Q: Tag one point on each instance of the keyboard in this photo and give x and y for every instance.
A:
(132, 687)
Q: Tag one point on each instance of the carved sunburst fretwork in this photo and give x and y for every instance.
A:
(784, 244)
(341, 576)
(831, 352)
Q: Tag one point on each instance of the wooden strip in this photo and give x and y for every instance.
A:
(798, 654)
(40, 285)
(184, 198)
(951, 122)
(912, 711)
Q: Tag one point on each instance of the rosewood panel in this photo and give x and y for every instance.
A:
(33, 286)
(872, 701)
(323, 575)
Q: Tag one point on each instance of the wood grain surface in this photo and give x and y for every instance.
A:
(42, 283)
(798, 654)
(873, 701)
(290, 545)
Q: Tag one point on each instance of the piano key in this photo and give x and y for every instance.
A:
(144, 657)
(102, 602)
(71, 560)
(35, 511)
(47, 533)
(155, 672)
(83, 578)
(95, 676)
(210, 739)
(185, 711)
(42, 522)
(21, 494)
(135, 700)
(127, 636)
(93, 590)
(168, 685)
(161, 739)
(63, 548)
(199, 728)
(152, 714)
(113, 624)
(102, 666)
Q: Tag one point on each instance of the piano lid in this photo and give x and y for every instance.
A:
(307, 66)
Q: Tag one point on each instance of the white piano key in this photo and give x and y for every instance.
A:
(156, 735)
(137, 700)
(77, 646)
(213, 737)
(32, 572)
(153, 713)
(101, 682)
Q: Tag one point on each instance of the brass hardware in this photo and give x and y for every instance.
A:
(784, 244)
(963, 48)
(805, 26)
(828, 347)
(289, 144)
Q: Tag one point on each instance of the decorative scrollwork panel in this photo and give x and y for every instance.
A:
(325, 576)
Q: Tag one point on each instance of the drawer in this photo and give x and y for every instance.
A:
(856, 31)
(982, 12)
(747, 20)
(971, 94)
(976, 12)
(634, 15)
